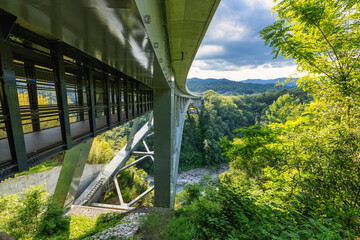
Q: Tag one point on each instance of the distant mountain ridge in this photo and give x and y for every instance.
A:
(228, 87)
(255, 81)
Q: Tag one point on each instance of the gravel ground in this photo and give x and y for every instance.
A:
(125, 230)
(90, 211)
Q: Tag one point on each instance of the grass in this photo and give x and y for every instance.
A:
(47, 165)
(159, 225)
(83, 227)
(80, 225)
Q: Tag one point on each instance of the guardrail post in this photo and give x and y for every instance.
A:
(11, 108)
(62, 100)
(91, 100)
(32, 93)
(107, 99)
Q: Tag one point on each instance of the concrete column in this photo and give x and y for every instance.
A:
(164, 125)
(70, 174)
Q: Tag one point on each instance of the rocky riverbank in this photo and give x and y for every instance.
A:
(195, 175)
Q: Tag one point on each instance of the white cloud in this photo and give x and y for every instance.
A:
(229, 31)
(265, 71)
(232, 46)
(265, 4)
(209, 51)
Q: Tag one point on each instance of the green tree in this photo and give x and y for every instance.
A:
(25, 218)
(191, 153)
(254, 149)
(323, 37)
(219, 118)
(100, 152)
(52, 221)
(282, 108)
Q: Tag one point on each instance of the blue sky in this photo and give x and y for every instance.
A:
(232, 47)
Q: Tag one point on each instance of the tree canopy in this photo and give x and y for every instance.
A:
(323, 37)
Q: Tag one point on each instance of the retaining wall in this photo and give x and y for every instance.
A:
(50, 178)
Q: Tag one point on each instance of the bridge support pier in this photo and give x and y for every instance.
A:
(164, 121)
(169, 118)
(71, 172)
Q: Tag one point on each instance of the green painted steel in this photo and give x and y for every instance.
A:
(187, 23)
(110, 31)
(107, 100)
(163, 145)
(157, 32)
(70, 175)
(153, 41)
(10, 104)
(33, 96)
(59, 73)
(91, 100)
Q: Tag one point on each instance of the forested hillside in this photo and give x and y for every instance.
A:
(233, 88)
(219, 117)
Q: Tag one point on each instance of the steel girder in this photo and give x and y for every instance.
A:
(96, 187)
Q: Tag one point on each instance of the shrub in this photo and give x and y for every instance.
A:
(228, 212)
(52, 221)
(166, 225)
(25, 217)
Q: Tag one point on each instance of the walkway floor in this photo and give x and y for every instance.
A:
(38, 141)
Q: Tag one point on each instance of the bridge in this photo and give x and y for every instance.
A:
(71, 70)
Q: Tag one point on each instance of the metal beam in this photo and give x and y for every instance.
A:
(7, 23)
(126, 98)
(94, 190)
(138, 99)
(70, 175)
(132, 99)
(91, 100)
(10, 104)
(133, 131)
(32, 92)
(107, 111)
(118, 98)
(57, 54)
(80, 91)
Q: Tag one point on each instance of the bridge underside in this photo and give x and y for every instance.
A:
(54, 97)
(73, 69)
